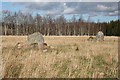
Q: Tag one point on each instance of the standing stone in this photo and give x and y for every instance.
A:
(100, 36)
(35, 38)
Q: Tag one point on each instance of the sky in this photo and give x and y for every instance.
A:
(102, 11)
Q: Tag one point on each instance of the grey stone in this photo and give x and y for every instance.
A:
(100, 36)
(35, 38)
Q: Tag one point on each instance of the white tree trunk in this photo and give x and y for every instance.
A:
(5, 30)
(17, 30)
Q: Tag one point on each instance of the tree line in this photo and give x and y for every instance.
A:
(21, 24)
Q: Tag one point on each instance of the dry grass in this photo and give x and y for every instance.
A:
(69, 57)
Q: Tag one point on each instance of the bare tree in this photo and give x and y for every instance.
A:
(74, 24)
(89, 20)
(6, 19)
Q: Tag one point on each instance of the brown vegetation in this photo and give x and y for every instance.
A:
(68, 56)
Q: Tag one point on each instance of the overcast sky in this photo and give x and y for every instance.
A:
(104, 11)
(60, 0)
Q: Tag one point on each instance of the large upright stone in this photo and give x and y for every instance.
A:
(100, 36)
(35, 38)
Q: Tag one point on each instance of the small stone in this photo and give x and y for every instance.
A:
(45, 50)
(20, 45)
(90, 38)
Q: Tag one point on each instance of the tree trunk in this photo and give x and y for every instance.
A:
(81, 31)
(17, 30)
(74, 30)
(93, 31)
(11, 31)
(88, 29)
(5, 29)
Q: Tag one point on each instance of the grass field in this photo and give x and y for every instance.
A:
(69, 57)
